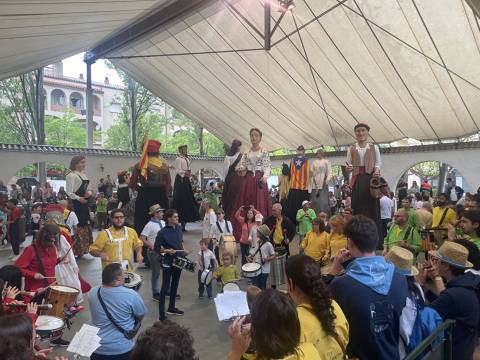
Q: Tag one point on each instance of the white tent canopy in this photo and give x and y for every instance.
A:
(37, 33)
(408, 68)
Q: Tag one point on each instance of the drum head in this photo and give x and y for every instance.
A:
(46, 322)
(206, 277)
(231, 287)
(64, 289)
(248, 267)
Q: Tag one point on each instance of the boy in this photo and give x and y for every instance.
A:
(227, 272)
(263, 255)
(206, 258)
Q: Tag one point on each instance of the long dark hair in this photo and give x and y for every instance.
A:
(45, 233)
(16, 341)
(305, 273)
(246, 209)
(275, 325)
(12, 275)
(75, 160)
(234, 148)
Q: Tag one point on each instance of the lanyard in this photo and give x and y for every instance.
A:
(119, 241)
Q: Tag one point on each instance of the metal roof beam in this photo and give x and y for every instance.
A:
(163, 16)
(475, 5)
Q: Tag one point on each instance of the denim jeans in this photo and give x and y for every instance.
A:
(170, 274)
(156, 267)
(201, 286)
(260, 281)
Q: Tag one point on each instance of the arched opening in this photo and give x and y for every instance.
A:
(76, 102)
(97, 106)
(439, 175)
(57, 100)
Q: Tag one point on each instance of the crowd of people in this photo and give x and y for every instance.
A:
(374, 276)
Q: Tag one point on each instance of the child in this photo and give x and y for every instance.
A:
(263, 255)
(336, 240)
(228, 271)
(206, 258)
(252, 293)
(315, 243)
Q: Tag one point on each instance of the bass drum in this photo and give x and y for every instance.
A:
(277, 270)
(228, 244)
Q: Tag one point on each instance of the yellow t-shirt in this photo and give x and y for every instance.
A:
(312, 332)
(336, 242)
(315, 244)
(278, 234)
(110, 247)
(226, 273)
(450, 217)
(304, 351)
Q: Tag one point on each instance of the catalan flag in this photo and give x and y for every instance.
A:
(299, 173)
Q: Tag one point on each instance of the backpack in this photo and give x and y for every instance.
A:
(426, 323)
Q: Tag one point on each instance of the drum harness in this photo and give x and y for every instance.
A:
(119, 242)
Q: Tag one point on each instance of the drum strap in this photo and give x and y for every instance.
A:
(41, 268)
(119, 241)
(220, 228)
(127, 334)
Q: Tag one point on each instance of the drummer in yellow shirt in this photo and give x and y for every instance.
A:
(117, 243)
(315, 243)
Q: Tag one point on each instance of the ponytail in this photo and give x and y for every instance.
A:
(305, 273)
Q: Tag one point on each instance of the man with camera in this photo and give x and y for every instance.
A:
(118, 312)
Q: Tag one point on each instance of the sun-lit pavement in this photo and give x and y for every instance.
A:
(211, 338)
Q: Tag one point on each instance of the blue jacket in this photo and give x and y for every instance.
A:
(459, 302)
(169, 238)
(372, 296)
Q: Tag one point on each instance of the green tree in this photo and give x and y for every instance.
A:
(25, 113)
(64, 131)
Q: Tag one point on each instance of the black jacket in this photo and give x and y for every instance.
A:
(459, 301)
(288, 226)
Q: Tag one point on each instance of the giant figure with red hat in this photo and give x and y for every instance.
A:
(363, 161)
(151, 179)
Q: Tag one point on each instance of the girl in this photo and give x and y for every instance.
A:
(315, 243)
(247, 223)
(322, 322)
(263, 255)
(336, 240)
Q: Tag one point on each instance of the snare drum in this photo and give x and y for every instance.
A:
(132, 281)
(206, 277)
(61, 297)
(251, 270)
(184, 263)
(231, 286)
(49, 327)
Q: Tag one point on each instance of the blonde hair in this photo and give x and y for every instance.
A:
(337, 220)
(227, 254)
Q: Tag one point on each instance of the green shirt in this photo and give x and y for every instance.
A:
(414, 219)
(396, 234)
(304, 219)
(102, 206)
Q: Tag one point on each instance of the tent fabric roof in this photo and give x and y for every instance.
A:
(409, 68)
(35, 33)
(383, 62)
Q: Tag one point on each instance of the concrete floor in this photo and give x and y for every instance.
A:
(210, 335)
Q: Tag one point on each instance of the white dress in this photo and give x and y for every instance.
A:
(66, 272)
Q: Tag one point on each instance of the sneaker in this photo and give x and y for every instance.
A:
(156, 297)
(175, 312)
(59, 342)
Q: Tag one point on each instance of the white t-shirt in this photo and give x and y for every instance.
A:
(386, 206)
(266, 250)
(208, 221)
(72, 221)
(208, 258)
(453, 195)
(215, 233)
(151, 230)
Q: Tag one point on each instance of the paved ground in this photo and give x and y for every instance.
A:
(211, 338)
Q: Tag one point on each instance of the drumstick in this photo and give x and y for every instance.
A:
(39, 307)
(27, 293)
(50, 277)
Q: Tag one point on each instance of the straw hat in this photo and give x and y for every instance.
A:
(155, 208)
(453, 254)
(264, 231)
(402, 259)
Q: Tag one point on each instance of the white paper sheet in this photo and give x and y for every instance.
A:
(85, 341)
(231, 304)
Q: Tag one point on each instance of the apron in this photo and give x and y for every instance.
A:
(82, 210)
